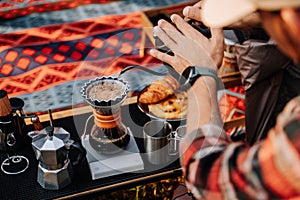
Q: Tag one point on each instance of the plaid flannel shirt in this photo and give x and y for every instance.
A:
(216, 168)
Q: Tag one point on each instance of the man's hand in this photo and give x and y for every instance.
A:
(248, 22)
(189, 46)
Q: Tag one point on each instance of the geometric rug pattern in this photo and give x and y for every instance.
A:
(61, 15)
(19, 8)
(42, 57)
(47, 55)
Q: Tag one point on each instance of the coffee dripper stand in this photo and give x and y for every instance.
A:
(12, 128)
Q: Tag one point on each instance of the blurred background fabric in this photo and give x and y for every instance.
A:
(48, 49)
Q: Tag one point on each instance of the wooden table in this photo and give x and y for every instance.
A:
(25, 186)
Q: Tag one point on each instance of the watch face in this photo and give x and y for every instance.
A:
(187, 77)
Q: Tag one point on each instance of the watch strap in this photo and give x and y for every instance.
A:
(204, 71)
(192, 73)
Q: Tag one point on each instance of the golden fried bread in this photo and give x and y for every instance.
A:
(173, 107)
(159, 90)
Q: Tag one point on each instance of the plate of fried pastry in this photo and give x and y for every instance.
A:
(164, 100)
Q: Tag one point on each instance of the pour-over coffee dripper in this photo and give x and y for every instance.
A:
(105, 95)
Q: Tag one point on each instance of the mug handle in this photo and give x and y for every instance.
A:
(81, 153)
(173, 141)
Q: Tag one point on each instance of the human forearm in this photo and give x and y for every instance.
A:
(202, 104)
(248, 22)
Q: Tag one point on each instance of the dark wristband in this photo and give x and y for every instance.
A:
(192, 73)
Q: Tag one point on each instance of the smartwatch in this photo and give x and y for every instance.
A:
(192, 73)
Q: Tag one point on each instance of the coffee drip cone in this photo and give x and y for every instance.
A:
(106, 94)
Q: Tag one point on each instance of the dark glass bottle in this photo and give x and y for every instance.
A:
(12, 124)
(6, 123)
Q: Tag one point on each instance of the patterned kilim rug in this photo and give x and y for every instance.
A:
(56, 12)
(18, 8)
(45, 62)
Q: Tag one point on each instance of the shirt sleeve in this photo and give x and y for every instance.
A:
(216, 168)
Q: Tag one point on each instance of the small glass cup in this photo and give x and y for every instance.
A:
(178, 135)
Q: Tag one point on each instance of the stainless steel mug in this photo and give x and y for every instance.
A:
(157, 134)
